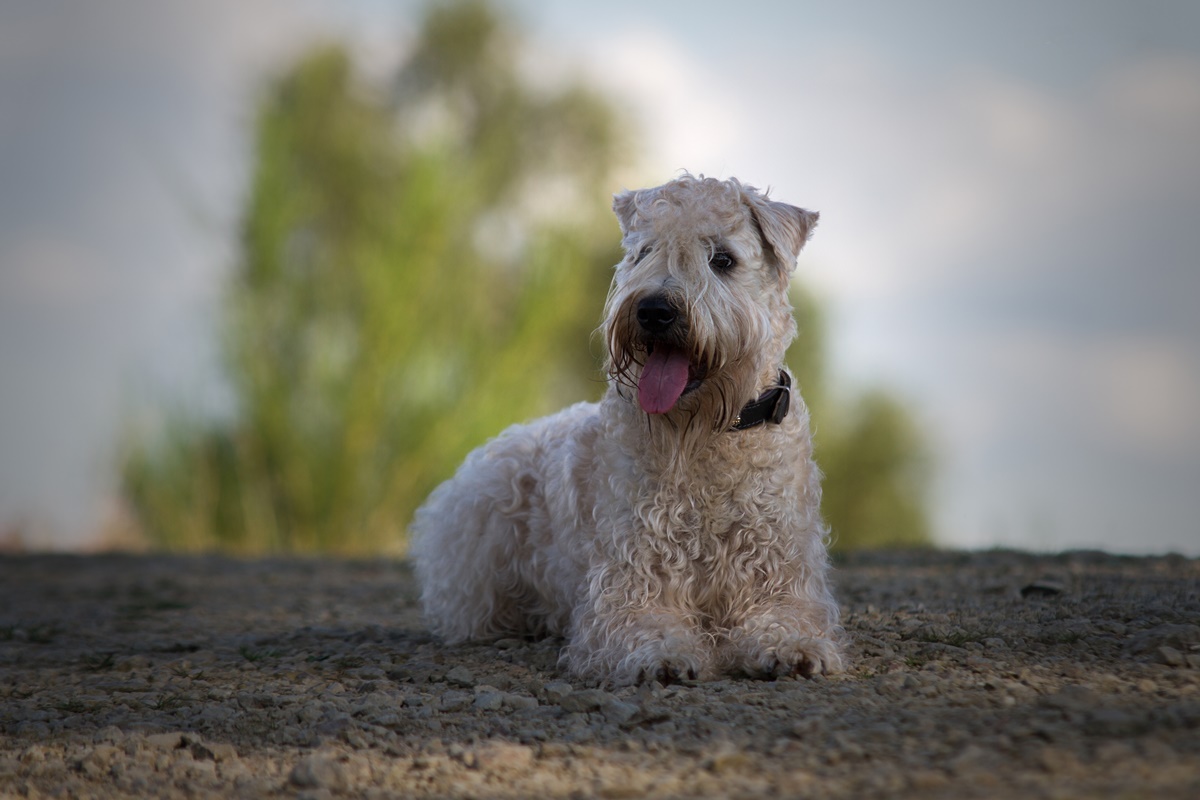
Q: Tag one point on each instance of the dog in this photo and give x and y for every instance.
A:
(671, 531)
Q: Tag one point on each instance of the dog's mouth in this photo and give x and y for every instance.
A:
(667, 375)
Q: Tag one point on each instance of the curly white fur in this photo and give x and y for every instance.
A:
(663, 546)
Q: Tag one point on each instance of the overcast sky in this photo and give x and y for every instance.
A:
(1010, 229)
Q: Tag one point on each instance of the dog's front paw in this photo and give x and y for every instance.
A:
(806, 657)
(660, 663)
(667, 671)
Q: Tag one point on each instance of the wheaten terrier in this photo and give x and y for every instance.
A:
(671, 531)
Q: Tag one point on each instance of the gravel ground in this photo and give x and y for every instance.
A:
(972, 675)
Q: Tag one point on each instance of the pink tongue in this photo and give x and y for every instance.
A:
(664, 377)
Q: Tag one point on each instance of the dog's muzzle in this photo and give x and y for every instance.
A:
(656, 315)
(667, 372)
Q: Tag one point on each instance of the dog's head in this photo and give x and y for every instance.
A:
(698, 319)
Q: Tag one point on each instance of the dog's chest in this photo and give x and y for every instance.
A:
(727, 526)
(718, 512)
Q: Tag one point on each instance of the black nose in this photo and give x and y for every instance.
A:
(655, 314)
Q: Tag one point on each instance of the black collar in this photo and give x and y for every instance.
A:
(771, 406)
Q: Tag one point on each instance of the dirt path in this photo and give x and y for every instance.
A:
(173, 677)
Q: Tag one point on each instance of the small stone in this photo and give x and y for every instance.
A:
(618, 712)
(416, 672)
(1045, 587)
(334, 727)
(508, 644)
(460, 676)
(520, 702)
(455, 701)
(648, 715)
(1169, 656)
(368, 673)
(586, 700)
(488, 701)
(556, 691)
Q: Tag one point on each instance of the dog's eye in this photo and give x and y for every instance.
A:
(645, 251)
(722, 262)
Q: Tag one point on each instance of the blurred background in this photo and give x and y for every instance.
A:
(269, 269)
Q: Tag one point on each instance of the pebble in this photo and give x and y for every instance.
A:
(619, 712)
(519, 702)
(1046, 587)
(455, 701)
(556, 691)
(1169, 656)
(460, 676)
(585, 700)
(488, 701)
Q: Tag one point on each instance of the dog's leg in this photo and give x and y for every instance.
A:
(471, 548)
(629, 630)
(786, 636)
(463, 557)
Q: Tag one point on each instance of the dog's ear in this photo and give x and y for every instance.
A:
(624, 206)
(784, 228)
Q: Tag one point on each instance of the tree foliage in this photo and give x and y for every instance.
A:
(401, 295)
(420, 265)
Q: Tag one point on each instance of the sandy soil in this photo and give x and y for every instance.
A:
(972, 675)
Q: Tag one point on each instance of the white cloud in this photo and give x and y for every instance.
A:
(1146, 396)
(48, 273)
(688, 111)
(1161, 90)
